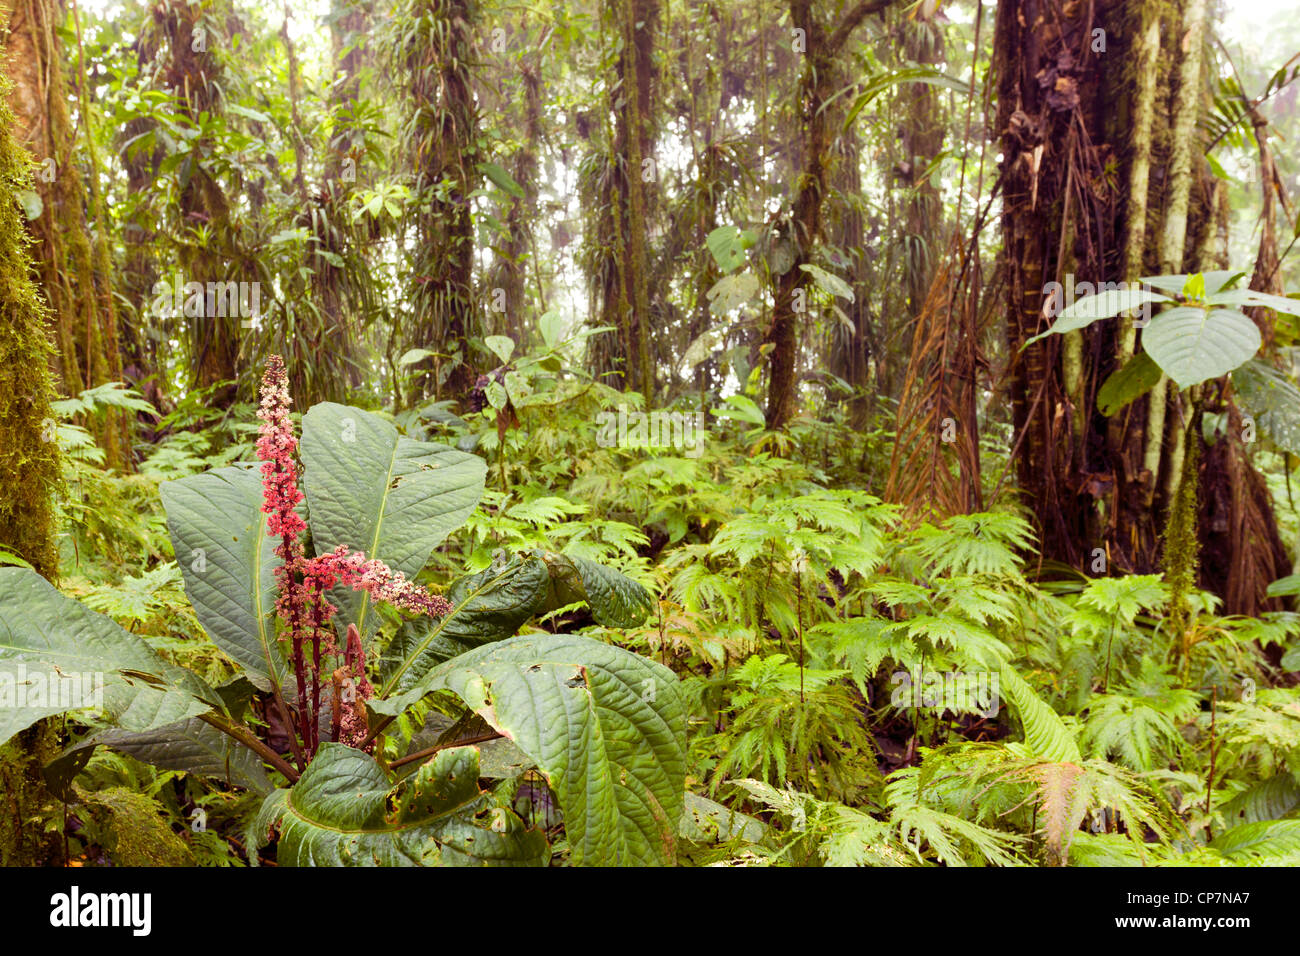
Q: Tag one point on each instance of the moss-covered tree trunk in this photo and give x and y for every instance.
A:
(1097, 111)
(336, 291)
(75, 273)
(29, 473)
(633, 145)
(445, 155)
(921, 132)
(192, 71)
(618, 186)
(517, 252)
(819, 46)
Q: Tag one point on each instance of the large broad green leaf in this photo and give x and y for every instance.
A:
(614, 598)
(1104, 305)
(1193, 344)
(727, 245)
(488, 606)
(1138, 376)
(605, 726)
(373, 490)
(1249, 297)
(1273, 400)
(346, 811)
(492, 605)
(192, 746)
(57, 655)
(219, 535)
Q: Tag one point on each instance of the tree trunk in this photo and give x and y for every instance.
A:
(192, 74)
(1079, 140)
(820, 48)
(444, 148)
(29, 473)
(510, 274)
(76, 276)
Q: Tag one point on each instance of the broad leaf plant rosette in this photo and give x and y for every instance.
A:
(288, 579)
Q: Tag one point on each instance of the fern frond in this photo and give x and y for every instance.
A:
(1267, 843)
(1269, 799)
(1063, 805)
(954, 841)
(1046, 735)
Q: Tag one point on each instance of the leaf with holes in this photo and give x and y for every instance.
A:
(606, 727)
(346, 811)
(727, 244)
(731, 292)
(57, 655)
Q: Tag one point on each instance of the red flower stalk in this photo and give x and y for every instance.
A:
(351, 689)
(276, 446)
(374, 577)
(303, 582)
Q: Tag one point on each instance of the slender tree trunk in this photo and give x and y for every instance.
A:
(214, 341)
(820, 48)
(922, 140)
(623, 271)
(445, 122)
(850, 347)
(511, 273)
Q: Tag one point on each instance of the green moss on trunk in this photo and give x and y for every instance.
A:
(29, 474)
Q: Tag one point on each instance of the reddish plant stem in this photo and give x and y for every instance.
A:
(245, 737)
(430, 751)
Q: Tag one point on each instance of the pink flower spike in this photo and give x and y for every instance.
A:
(276, 447)
(375, 578)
